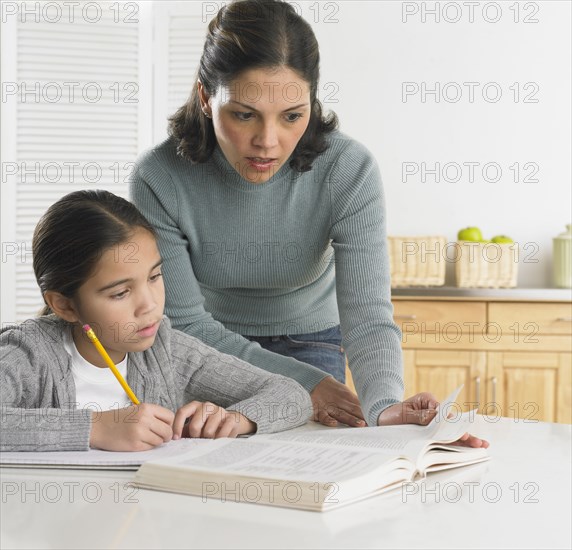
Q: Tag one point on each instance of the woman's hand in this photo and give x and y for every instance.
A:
(468, 440)
(136, 428)
(421, 409)
(333, 402)
(209, 421)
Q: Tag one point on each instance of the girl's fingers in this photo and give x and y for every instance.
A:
(201, 417)
(207, 420)
(162, 430)
(195, 425)
(163, 414)
(181, 416)
(213, 423)
(228, 427)
(152, 439)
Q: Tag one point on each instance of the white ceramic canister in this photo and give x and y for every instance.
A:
(563, 259)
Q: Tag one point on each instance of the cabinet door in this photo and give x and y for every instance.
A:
(533, 386)
(441, 371)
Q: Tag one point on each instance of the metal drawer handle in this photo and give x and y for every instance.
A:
(407, 317)
(564, 319)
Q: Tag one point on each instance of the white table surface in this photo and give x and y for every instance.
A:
(521, 498)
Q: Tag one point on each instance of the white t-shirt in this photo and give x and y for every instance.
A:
(96, 388)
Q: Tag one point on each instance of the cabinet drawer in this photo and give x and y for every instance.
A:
(524, 317)
(428, 316)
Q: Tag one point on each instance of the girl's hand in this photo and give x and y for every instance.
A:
(421, 409)
(209, 421)
(136, 428)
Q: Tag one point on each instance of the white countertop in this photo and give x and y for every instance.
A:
(518, 499)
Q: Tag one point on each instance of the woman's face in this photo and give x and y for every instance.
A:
(258, 120)
(123, 300)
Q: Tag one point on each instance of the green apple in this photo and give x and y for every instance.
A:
(502, 239)
(485, 241)
(470, 234)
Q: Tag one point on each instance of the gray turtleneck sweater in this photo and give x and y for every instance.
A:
(296, 254)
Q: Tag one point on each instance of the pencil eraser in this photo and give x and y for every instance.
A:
(86, 328)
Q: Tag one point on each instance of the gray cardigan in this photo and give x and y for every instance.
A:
(37, 389)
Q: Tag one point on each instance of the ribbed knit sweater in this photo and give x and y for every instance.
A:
(299, 253)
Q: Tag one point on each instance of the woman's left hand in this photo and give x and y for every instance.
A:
(421, 409)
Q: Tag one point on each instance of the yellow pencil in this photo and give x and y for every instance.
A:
(95, 341)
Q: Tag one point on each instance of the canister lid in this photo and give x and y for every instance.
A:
(567, 234)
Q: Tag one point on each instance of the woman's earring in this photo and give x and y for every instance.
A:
(206, 113)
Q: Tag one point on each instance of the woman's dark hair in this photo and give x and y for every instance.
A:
(75, 232)
(253, 34)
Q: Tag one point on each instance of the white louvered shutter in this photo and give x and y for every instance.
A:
(181, 29)
(83, 119)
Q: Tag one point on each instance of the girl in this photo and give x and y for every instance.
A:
(96, 261)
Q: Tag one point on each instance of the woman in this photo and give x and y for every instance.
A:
(271, 222)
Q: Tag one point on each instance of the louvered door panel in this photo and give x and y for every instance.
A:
(180, 37)
(77, 123)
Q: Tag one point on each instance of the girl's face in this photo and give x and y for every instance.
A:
(258, 120)
(123, 300)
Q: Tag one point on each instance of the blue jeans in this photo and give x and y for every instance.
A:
(320, 349)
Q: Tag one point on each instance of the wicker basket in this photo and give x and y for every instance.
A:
(486, 265)
(417, 261)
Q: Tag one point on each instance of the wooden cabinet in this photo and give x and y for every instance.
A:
(532, 385)
(514, 358)
(441, 371)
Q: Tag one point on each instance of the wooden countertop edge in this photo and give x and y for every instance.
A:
(552, 343)
(483, 294)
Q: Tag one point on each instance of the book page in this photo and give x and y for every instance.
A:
(403, 439)
(384, 440)
(443, 409)
(96, 458)
(283, 460)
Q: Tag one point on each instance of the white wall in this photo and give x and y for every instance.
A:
(370, 52)
(371, 49)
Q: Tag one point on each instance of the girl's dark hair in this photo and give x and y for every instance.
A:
(253, 34)
(73, 234)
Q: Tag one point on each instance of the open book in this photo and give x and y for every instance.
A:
(318, 468)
